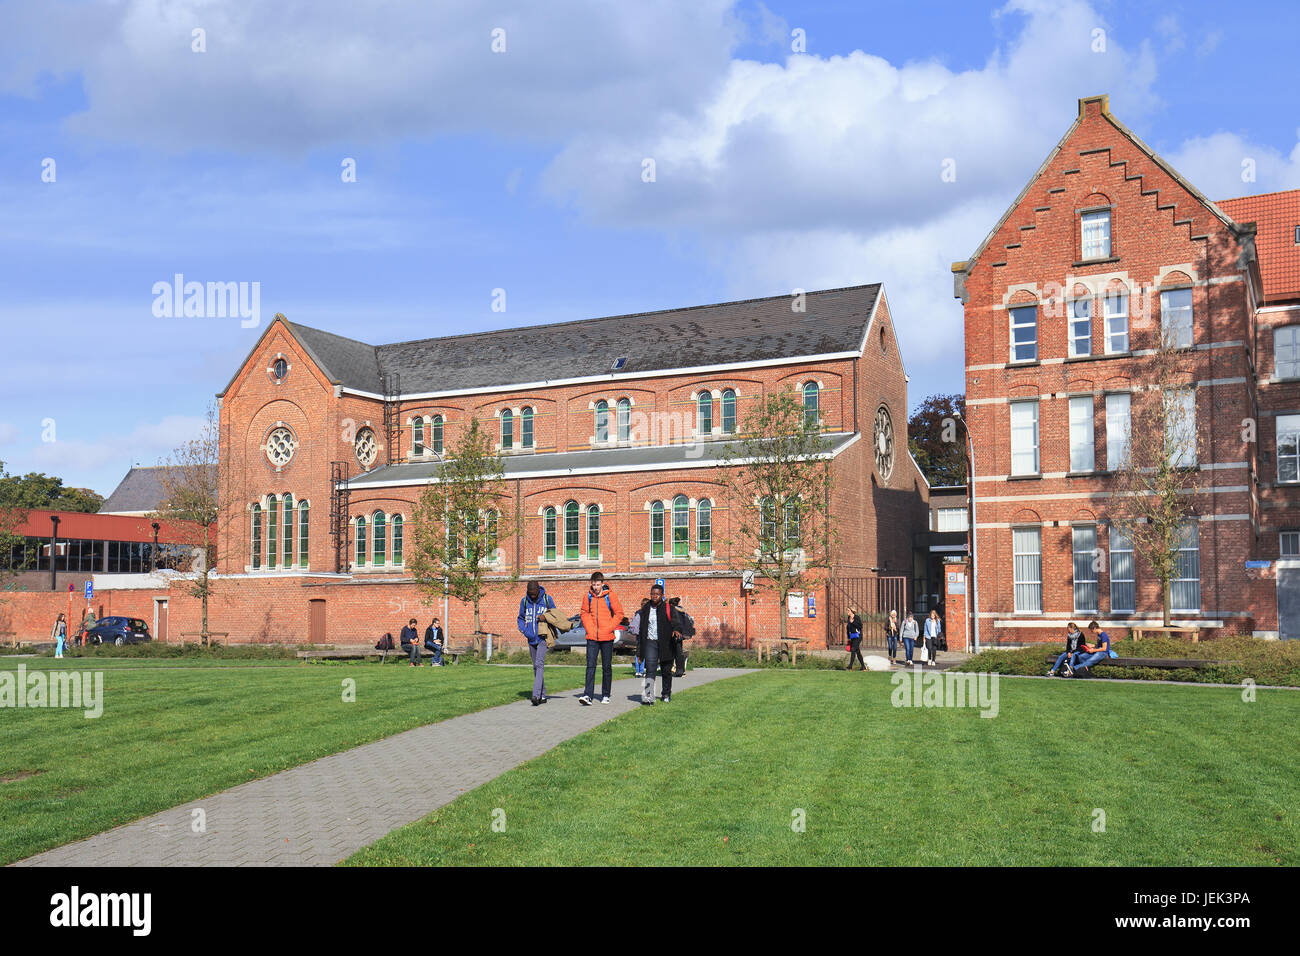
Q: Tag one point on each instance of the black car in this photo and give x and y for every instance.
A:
(119, 631)
(577, 636)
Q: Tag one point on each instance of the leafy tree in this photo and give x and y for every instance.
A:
(459, 523)
(781, 485)
(937, 440)
(12, 515)
(36, 490)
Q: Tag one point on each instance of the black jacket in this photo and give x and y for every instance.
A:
(432, 636)
(1072, 641)
(853, 628)
(666, 626)
(409, 636)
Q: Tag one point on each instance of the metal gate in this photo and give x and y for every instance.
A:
(873, 597)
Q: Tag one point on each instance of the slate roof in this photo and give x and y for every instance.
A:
(702, 455)
(140, 491)
(835, 320)
(1276, 217)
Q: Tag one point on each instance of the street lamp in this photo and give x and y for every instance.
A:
(153, 555)
(54, 552)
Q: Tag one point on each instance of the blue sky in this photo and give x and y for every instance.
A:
(521, 170)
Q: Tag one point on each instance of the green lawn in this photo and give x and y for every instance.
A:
(173, 731)
(1185, 776)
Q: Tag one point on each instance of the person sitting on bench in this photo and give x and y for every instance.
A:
(1073, 641)
(411, 642)
(433, 642)
(1094, 653)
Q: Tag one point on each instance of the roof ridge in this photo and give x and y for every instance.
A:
(1276, 192)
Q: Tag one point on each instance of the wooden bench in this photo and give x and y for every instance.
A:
(789, 646)
(361, 653)
(1164, 663)
(199, 634)
(1137, 632)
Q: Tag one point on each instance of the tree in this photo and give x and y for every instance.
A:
(1156, 484)
(38, 490)
(192, 491)
(459, 523)
(12, 515)
(936, 440)
(782, 481)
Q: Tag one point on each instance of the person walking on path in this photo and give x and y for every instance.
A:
(891, 635)
(601, 613)
(853, 627)
(59, 634)
(411, 642)
(433, 642)
(532, 607)
(909, 632)
(656, 639)
(933, 629)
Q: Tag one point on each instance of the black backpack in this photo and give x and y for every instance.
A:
(385, 643)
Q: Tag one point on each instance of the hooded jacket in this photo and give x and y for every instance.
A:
(530, 612)
(666, 626)
(600, 615)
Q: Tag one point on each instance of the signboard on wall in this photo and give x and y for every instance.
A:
(812, 605)
(956, 582)
(794, 603)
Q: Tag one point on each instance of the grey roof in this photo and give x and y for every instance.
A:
(703, 454)
(834, 320)
(140, 491)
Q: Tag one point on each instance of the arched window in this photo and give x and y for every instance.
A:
(704, 527)
(288, 531)
(378, 532)
(729, 412)
(657, 529)
(398, 527)
(602, 420)
(571, 542)
(417, 438)
(704, 414)
(435, 434)
(593, 533)
(767, 526)
(548, 534)
(255, 538)
(526, 427)
(681, 527)
(491, 535)
(507, 429)
(303, 538)
(791, 524)
(361, 540)
(810, 404)
(272, 539)
(624, 419)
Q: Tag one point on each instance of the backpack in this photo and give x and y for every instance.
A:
(385, 643)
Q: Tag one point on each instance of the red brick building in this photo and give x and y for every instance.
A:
(1106, 249)
(611, 430)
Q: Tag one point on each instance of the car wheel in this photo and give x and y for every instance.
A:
(119, 642)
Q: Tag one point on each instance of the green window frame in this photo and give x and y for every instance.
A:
(548, 534)
(681, 527)
(398, 529)
(571, 537)
(303, 533)
(704, 527)
(657, 529)
(593, 533)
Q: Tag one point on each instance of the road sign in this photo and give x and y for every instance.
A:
(90, 591)
(794, 604)
(659, 582)
(812, 605)
(1259, 564)
(747, 580)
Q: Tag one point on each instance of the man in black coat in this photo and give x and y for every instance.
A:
(433, 641)
(411, 642)
(657, 634)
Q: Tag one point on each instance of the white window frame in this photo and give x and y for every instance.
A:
(1115, 310)
(1123, 573)
(1083, 453)
(1185, 416)
(1027, 575)
(1176, 321)
(1023, 428)
(1119, 424)
(949, 520)
(1099, 245)
(1188, 560)
(1288, 544)
(1288, 426)
(1288, 367)
(1087, 581)
(1080, 331)
(1016, 312)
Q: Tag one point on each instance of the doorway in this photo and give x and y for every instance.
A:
(316, 621)
(160, 619)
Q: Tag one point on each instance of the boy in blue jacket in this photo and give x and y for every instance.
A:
(532, 606)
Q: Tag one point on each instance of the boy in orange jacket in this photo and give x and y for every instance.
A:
(601, 614)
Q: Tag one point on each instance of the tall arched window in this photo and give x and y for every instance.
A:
(593, 533)
(361, 540)
(791, 523)
(398, 529)
(303, 509)
(624, 419)
(657, 529)
(728, 412)
(526, 427)
(767, 526)
(681, 527)
(811, 410)
(435, 434)
(548, 534)
(255, 538)
(491, 522)
(507, 429)
(288, 531)
(272, 539)
(602, 420)
(704, 413)
(704, 527)
(417, 438)
(379, 533)
(571, 540)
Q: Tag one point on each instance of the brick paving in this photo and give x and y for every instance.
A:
(326, 810)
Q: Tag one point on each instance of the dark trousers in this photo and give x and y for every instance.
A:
(855, 652)
(435, 650)
(605, 651)
(414, 650)
(664, 667)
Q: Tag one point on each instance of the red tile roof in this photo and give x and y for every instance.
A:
(96, 527)
(1276, 216)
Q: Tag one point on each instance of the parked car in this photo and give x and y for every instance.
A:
(577, 636)
(119, 631)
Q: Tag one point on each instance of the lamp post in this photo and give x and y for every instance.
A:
(153, 555)
(54, 549)
(970, 492)
(446, 520)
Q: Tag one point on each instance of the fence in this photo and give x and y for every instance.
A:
(873, 597)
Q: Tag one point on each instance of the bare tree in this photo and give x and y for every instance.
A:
(780, 484)
(1156, 484)
(459, 523)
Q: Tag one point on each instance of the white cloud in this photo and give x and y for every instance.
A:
(1215, 165)
(87, 461)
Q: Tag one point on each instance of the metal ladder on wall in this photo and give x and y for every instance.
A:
(339, 499)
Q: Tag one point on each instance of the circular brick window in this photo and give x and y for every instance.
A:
(279, 370)
(367, 447)
(884, 443)
(280, 446)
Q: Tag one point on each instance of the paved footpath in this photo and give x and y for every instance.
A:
(326, 810)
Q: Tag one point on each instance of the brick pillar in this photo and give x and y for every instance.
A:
(957, 605)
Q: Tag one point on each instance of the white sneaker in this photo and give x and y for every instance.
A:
(584, 700)
(604, 700)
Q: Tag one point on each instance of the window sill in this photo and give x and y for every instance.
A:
(1094, 473)
(1034, 477)
(1104, 260)
(1024, 363)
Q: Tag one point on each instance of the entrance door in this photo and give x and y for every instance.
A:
(316, 621)
(160, 619)
(1288, 603)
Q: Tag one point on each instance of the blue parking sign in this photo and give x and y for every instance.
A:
(659, 582)
(90, 591)
(812, 605)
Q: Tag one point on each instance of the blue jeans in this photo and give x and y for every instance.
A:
(1087, 660)
(893, 646)
(909, 643)
(1057, 665)
(435, 650)
(605, 651)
